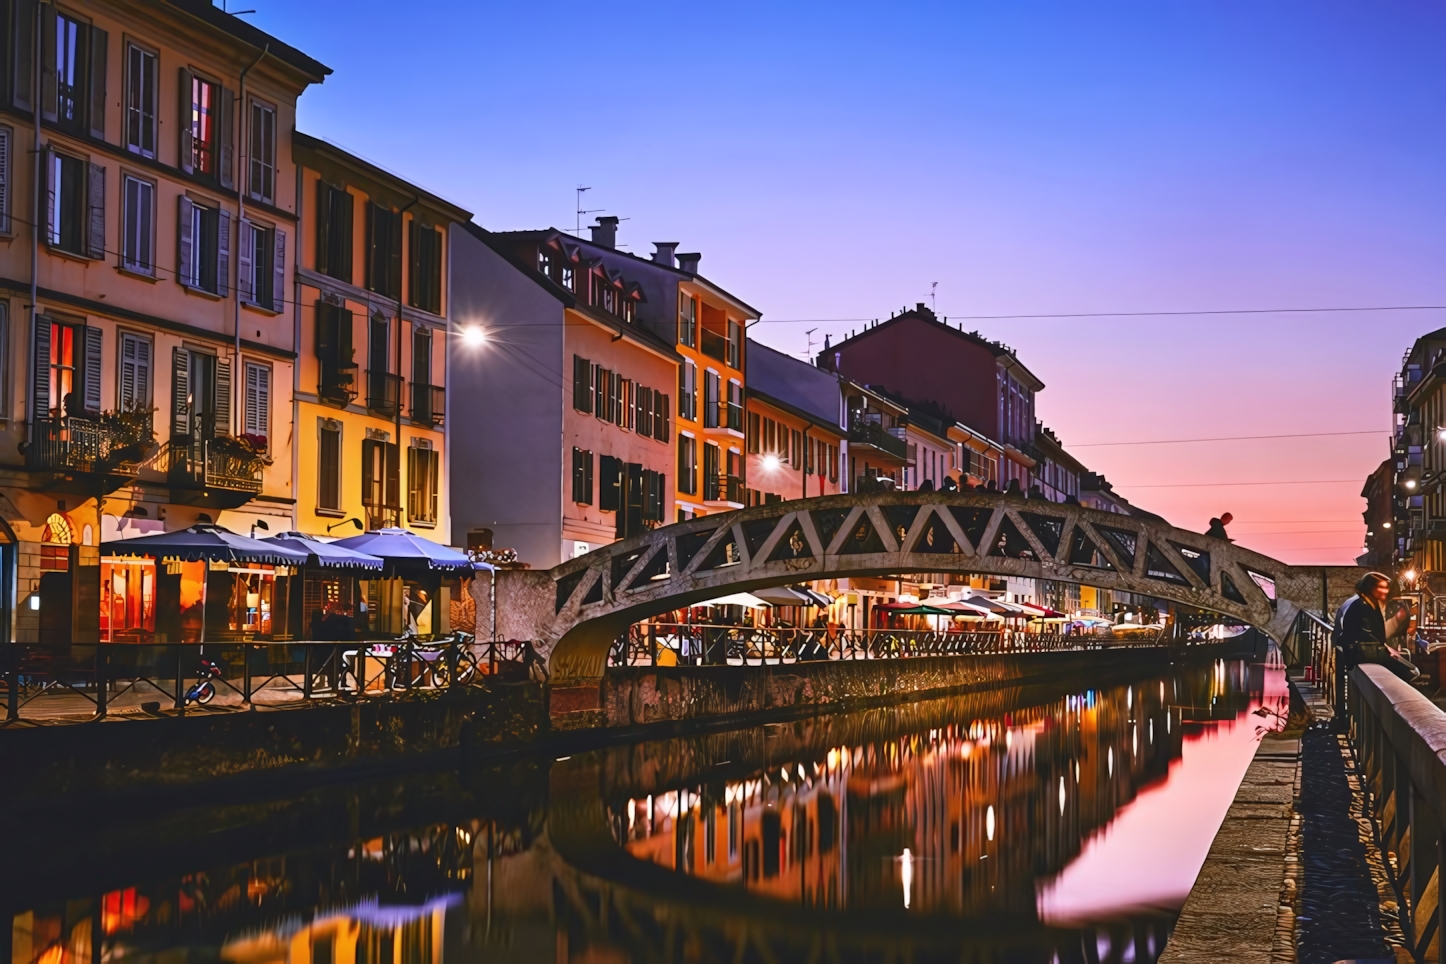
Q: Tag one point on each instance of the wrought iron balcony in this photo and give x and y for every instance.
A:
(383, 392)
(220, 463)
(871, 433)
(337, 381)
(429, 403)
(107, 445)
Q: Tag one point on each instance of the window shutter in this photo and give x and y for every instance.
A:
(47, 62)
(414, 483)
(394, 256)
(127, 394)
(258, 400)
(5, 134)
(40, 398)
(135, 387)
(185, 245)
(609, 483)
(222, 400)
(223, 252)
(345, 203)
(244, 282)
(326, 329)
(226, 138)
(434, 477)
(662, 431)
(22, 50)
(95, 236)
(47, 163)
(581, 384)
(99, 41)
(188, 108)
(90, 376)
(600, 377)
(180, 391)
(323, 226)
(278, 270)
(393, 498)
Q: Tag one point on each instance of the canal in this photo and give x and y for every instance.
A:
(1024, 824)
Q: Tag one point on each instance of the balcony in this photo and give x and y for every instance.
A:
(222, 471)
(724, 490)
(726, 419)
(867, 432)
(383, 392)
(715, 345)
(337, 380)
(106, 447)
(429, 403)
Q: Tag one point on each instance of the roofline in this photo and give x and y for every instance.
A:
(312, 143)
(213, 16)
(850, 383)
(1013, 362)
(794, 410)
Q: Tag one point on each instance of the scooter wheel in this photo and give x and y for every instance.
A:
(205, 693)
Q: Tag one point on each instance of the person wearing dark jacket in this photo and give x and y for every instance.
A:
(1363, 632)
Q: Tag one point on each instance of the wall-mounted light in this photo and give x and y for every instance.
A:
(1385, 525)
(474, 336)
(1410, 483)
(771, 463)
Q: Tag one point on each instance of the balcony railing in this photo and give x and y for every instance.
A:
(337, 381)
(383, 392)
(219, 463)
(734, 416)
(724, 488)
(429, 403)
(95, 446)
(714, 345)
(865, 432)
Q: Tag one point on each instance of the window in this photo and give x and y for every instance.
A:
(567, 277)
(582, 476)
(611, 473)
(425, 280)
(333, 231)
(134, 389)
(712, 465)
(687, 324)
(662, 421)
(687, 464)
(643, 415)
(206, 144)
(688, 391)
(384, 251)
(75, 205)
(735, 344)
(328, 492)
(423, 482)
(200, 394)
(710, 399)
(258, 274)
(257, 416)
(138, 234)
(381, 382)
(141, 85)
(381, 495)
(582, 384)
(425, 408)
(64, 376)
(336, 380)
(70, 86)
(262, 152)
(203, 247)
(755, 429)
(6, 138)
(629, 308)
(544, 262)
(735, 405)
(73, 81)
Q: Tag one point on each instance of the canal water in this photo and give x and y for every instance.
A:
(1025, 824)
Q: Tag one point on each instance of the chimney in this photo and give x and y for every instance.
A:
(689, 262)
(605, 232)
(664, 253)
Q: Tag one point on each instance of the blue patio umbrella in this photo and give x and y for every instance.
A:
(327, 555)
(401, 549)
(207, 543)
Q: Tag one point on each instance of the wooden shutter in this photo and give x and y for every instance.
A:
(225, 137)
(47, 162)
(245, 288)
(22, 47)
(393, 496)
(223, 252)
(90, 371)
(95, 212)
(414, 483)
(258, 400)
(278, 270)
(600, 380)
(325, 342)
(222, 400)
(99, 42)
(662, 430)
(323, 227)
(434, 482)
(40, 390)
(185, 244)
(345, 204)
(135, 373)
(609, 483)
(5, 133)
(188, 108)
(180, 391)
(47, 62)
(581, 384)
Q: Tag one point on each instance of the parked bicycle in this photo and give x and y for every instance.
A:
(204, 691)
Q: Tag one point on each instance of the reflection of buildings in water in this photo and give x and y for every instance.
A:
(984, 809)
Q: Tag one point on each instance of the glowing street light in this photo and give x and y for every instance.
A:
(771, 463)
(474, 336)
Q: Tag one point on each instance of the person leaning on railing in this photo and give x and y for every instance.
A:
(1363, 632)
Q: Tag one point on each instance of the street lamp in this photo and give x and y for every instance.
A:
(474, 336)
(771, 463)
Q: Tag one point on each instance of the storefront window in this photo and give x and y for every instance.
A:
(128, 600)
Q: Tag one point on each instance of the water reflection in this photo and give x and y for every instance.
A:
(933, 830)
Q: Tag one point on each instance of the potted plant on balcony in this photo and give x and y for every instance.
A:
(132, 436)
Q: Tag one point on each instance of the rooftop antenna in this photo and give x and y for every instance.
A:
(933, 297)
(577, 229)
(809, 335)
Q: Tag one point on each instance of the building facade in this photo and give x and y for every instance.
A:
(796, 441)
(372, 319)
(148, 219)
(1056, 473)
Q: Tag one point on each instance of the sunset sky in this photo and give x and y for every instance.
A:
(832, 161)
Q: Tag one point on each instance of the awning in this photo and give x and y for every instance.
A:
(784, 596)
(745, 599)
(967, 609)
(819, 598)
(914, 609)
(327, 555)
(205, 542)
(991, 605)
(400, 548)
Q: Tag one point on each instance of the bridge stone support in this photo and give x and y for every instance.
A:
(575, 611)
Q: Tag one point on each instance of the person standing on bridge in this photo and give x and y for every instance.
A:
(1363, 632)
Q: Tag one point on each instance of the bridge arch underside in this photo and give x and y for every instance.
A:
(600, 594)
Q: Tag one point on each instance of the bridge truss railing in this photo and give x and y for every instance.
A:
(702, 644)
(1308, 647)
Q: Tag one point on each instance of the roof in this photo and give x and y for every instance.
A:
(1002, 353)
(327, 149)
(546, 234)
(793, 381)
(214, 16)
(1052, 448)
(503, 245)
(829, 425)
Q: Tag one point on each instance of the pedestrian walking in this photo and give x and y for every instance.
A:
(1365, 624)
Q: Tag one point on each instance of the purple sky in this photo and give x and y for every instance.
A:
(832, 161)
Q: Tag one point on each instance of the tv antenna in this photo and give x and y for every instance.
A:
(934, 297)
(577, 229)
(809, 335)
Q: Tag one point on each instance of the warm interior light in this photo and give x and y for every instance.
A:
(474, 336)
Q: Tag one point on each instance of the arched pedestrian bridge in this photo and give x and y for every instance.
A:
(576, 610)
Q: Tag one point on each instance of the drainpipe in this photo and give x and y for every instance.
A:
(35, 221)
(238, 377)
(296, 345)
